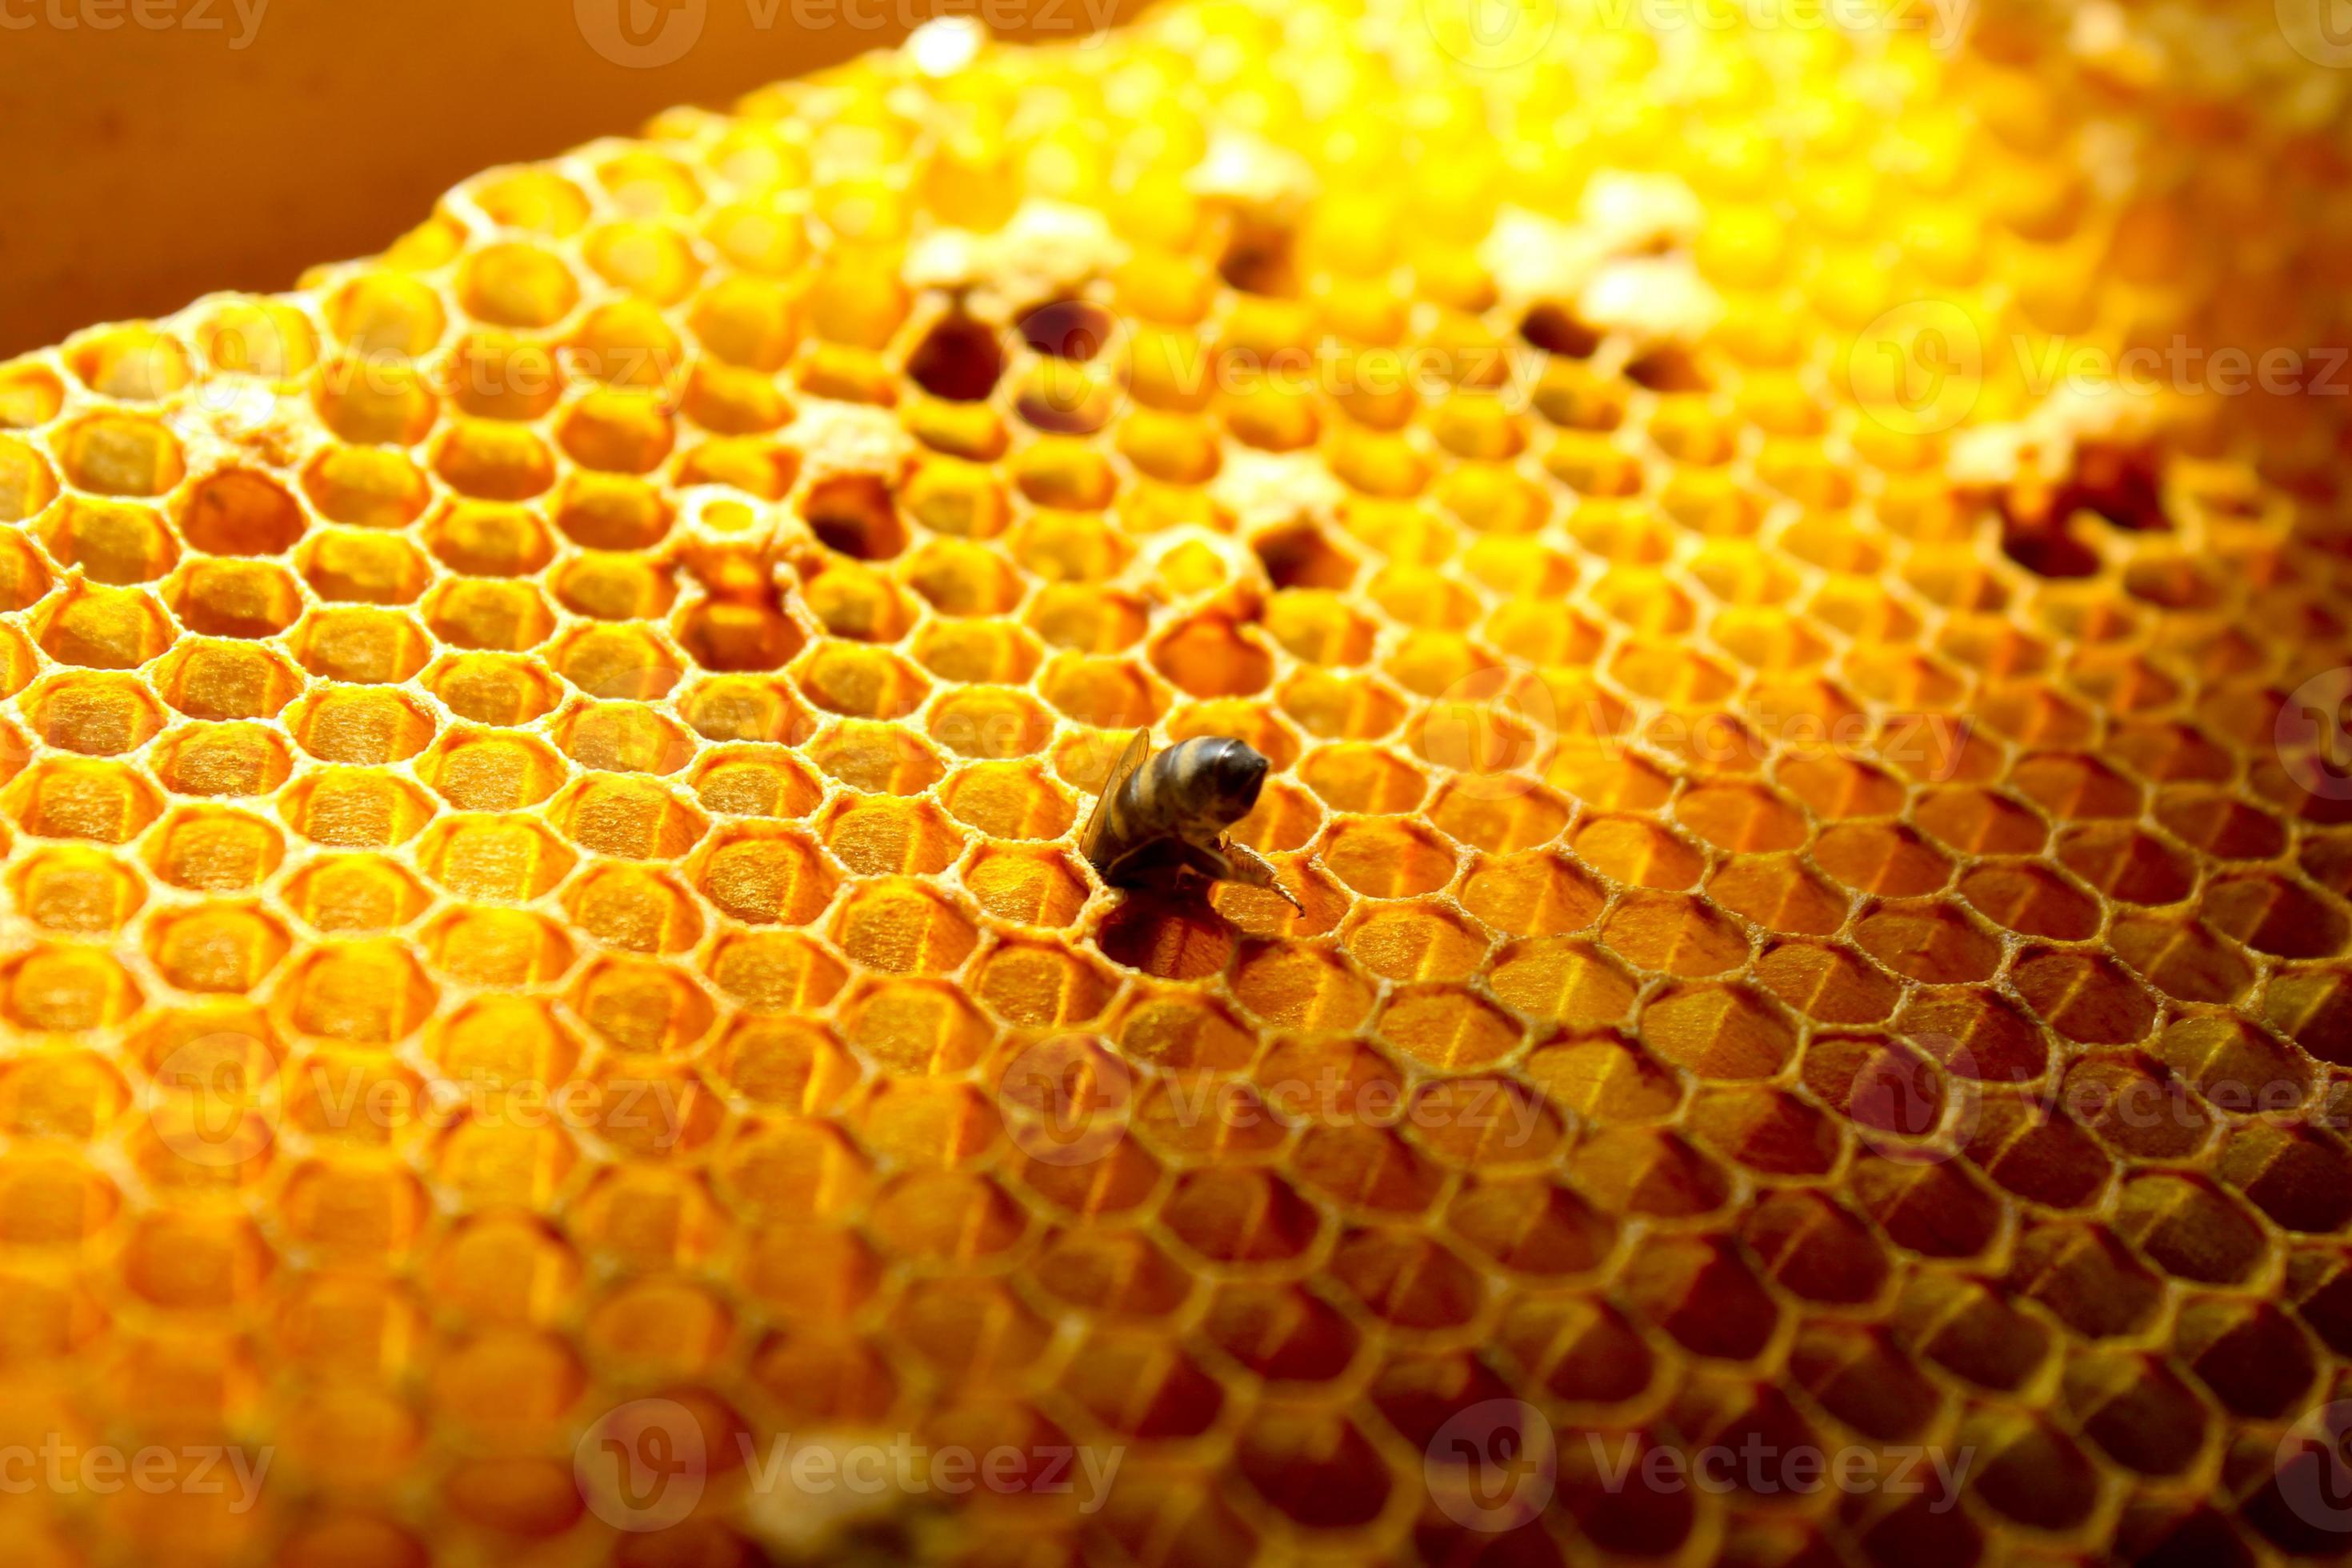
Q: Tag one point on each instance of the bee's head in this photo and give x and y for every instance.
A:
(1228, 775)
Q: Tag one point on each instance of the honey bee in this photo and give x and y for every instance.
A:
(1164, 817)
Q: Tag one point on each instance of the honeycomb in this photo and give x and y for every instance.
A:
(543, 772)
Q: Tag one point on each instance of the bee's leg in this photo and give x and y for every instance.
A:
(1247, 867)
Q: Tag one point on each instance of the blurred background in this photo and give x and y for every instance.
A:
(157, 149)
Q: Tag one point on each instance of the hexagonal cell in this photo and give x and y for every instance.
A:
(236, 599)
(501, 947)
(218, 948)
(494, 616)
(119, 455)
(367, 993)
(1008, 800)
(355, 893)
(225, 680)
(1366, 779)
(632, 908)
(223, 760)
(1032, 888)
(1930, 942)
(491, 689)
(776, 972)
(371, 486)
(1387, 860)
(2272, 914)
(629, 819)
(85, 892)
(764, 875)
(755, 783)
(66, 988)
(1208, 655)
(215, 851)
(989, 721)
(494, 858)
(615, 586)
(744, 708)
(734, 636)
(2085, 997)
(1881, 858)
(483, 540)
(1638, 852)
(618, 662)
(355, 808)
(104, 628)
(492, 772)
(1673, 933)
(348, 566)
(107, 802)
(900, 926)
(623, 736)
(367, 647)
(96, 715)
(361, 727)
(116, 543)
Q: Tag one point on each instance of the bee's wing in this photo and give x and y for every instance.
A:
(1249, 868)
(1139, 751)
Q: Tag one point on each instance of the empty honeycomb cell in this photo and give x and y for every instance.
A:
(104, 628)
(616, 662)
(380, 311)
(223, 760)
(375, 402)
(116, 543)
(761, 876)
(976, 652)
(858, 603)
(492, 858)
(235, 598)
(217, 949)
(1385, 861)
(64, 988)
(1928, 941)
(628, 907)
(489, 690)
(110, 454)
(498, 947)
(102, 801)
(356, 893)
(1448, 1028)
(884, 837)
(2184, 959)
(216, 850)
(1363, 779)
(96, 715)
(898, 926)
(1673, 934)
(366, 992)
(1008, 800)
(343, 564)
(1828, 983)
(776, 972)
(355, 808)
(366, 646)
(81, 891)
(492, 616)
(489, 773)
(2085, 997)
(361, 726)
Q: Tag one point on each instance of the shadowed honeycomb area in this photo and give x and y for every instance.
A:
(547, 952)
